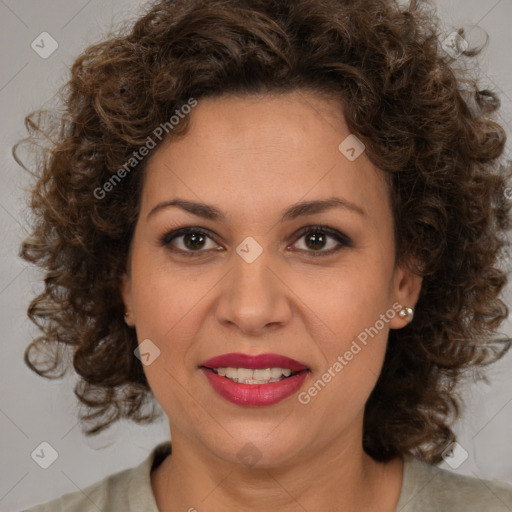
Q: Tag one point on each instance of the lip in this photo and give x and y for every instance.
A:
(254, 395)
(237, 360)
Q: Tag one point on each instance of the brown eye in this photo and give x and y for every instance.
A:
(188, 240)
(322, 240)
(194, 240)
(315, 240)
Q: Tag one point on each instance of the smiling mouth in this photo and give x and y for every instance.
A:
(254, 376)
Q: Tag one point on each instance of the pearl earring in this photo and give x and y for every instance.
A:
(404, 312)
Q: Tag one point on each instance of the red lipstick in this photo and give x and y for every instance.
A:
(254, 395)
(254, 362)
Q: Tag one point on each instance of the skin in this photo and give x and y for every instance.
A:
(252, 157)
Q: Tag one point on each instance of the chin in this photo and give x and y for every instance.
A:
(263, 449)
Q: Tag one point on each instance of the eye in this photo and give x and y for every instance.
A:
(188, 240)
(322, 240)
(318, 241)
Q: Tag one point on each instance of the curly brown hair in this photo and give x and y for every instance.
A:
(424, 121)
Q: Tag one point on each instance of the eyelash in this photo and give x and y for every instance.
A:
(343, 240)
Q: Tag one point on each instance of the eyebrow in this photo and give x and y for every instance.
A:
(304, 208)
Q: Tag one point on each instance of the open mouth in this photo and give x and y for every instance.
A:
(254, 376)
(254, 380)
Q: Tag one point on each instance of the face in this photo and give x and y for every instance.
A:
(255, 274)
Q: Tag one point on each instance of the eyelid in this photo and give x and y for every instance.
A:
(169, 236)
(340, 237)
(333, 233)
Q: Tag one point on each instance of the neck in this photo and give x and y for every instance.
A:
(339, 476)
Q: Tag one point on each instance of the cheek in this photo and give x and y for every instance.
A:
(353, 362)
(348, 300)
(165, 297)
(166, 306)
(163, 304)
(355, 309)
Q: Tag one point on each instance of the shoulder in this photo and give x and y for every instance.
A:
(128, 490)
(428, 488)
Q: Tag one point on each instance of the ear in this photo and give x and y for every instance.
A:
(126, 294)
(406, 291)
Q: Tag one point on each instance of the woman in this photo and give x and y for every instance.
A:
(283, 221)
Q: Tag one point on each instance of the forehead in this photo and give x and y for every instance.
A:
(255, 152)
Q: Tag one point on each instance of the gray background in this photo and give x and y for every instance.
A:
(32, 409)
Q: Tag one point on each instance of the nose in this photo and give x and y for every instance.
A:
(254, 297)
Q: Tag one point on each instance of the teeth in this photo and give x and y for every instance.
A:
(231, 373)
(258, 376)
(264, 374)
(244, 374)
(276, 373)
